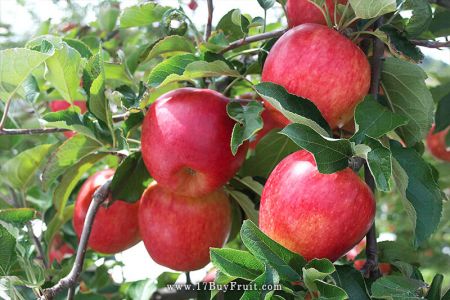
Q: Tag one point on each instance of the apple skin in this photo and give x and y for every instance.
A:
(186, 142)
(313, 214)
(318, 63)
(58, 105)
(302, 11)
(436, 144)
(178, 231)
(59, 250)
(115, 228)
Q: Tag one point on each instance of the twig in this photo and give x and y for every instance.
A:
(431, 44)
(37, 243)
(355, 163)
(210, 17)
(71, 280)
(5, 113)
(376, 62)
(254, 38)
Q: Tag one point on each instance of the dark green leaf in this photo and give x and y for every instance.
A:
(264, 285)
(434, 293)
(442, 119)
(173, 65)
(329, 291)
(421, 16)
(440, 24)
(379, 160)
(233, 24)
(400, 45)
(315, 270)
(352, 282)
(17, 215)
(8, 254)
(236, 263)
(266, 4)
(397, 288)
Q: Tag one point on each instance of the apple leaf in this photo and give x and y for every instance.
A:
(268, 153)
(331, 155)
(368, 9)
(284, 261)
(236, 263)
(141, 15)
(117, 74)
(78, 45)
(316, 269)
(351, 281)
(233, 24)
(296, 109)
(174, 65)
(15, 67)
(141, 289)
(66, 155)
(130, 179)
(250, 183)
(20, 170)
(266, 4)
(399, 45)
(329, 291)
(374, 120)
(421, 16)
(414, 178)
(397, 287)
(107, 16)
(170, 46)
(8, 254)
(404, 85)
(264, 285)
(436, 287)
(249, 121)
(55, 224)
(246, 204)
(442, 119)
(17, 215)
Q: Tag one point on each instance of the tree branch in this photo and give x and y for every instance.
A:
(210, 17)
(254, 38)
(443, 3)
(71, 280)
(431, 44)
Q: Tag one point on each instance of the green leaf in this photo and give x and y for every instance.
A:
(284, 261)
(233, 24)
(296, 109)
(316, 269)
(55, 224)
(440, 24)
(374, 120)
(379, 160)
(117, 74)
(107, 16)
(8, 255)
(331, 155)
(63, 71)
(352, 282)
(130, 179)
(97, 102)
(266, 4)
(264, 285)
(442, 119)
(421, 16)
(399, 45)
(434, 293)
(329, 291)
(252, 184)
(65, 156)
(17, 215)
(397, 288)
(404, 85)
(174, 65)
(236, 263)
(169, 46)
(368, 9)
(15, 66)
(142, 289)
(81, 47)
(246, 204)
(21, 169)
(420, 190)
(141, 15)
(249, 121)
(268, 153)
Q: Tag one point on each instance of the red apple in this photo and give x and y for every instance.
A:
(186, 142)
(436, 144)
(193, 5)
(385, 268)
(58, 105)
(59, 250)
(303, 11)
(178, 231)
(313, 214)
(115, 227)
(318, 63)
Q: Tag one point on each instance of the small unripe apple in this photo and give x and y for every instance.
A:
(57, 105)
(318, 63)
(116, 227)
(59, 250)
(437, 145)
(313, 214)
(178, 231)
(303, 11)
(186, 142)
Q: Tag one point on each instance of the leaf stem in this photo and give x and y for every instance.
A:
(209, 22)
(5, 113)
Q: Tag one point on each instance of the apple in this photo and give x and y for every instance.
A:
(59, 250)
(318, 63)
(353, 253)
(57, 105)
(313, 214)
(115, 227)
(385, 268)
(186, 142)
(178, 230)
(193, 5)
(436, 144)
(303, 11)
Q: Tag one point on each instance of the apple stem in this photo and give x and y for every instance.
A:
(210, 17)
(71, 280)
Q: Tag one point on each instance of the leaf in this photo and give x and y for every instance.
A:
(81, 47)
(130, 179)
(266, 4)
(17, 215)
(265, 285)
(404, 85)
(442, 119)
(249, 121)
(63, 70)
(57, 222)
(107, 16)
(174, 65)
(170, 45)
(421, 16)
(250, 183)
(316, 269)
(8, 254)
(20, 170)
(399, 45)
(236, 263)
(246, 204)
(15, 66)
(142, 289)
(141, 15)
(233, 24)
(296, 109)
(397, 288)
(434, 293)
(420, 190)
(284, 261)
(117, 74)
(329, 291)
(368, 9)
(97, 102)
(440, 24)
(374, 120)
(65, 156)
(379, 160)
(352, 282)
(331, 155)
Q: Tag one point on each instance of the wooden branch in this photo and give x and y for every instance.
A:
(71, 280)
(431, 44)
(210, 17)
(254, 38)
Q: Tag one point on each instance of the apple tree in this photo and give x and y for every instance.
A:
(283, 147)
